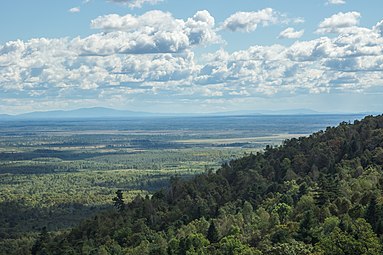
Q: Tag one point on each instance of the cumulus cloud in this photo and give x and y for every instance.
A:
(336, 2)
(350, 62)
(74, 10)
(136, 3)
(339, 22)
(249, 21)
(152, 32)
(379, 28)
(109, 64)
(291, 33)
(56, 66)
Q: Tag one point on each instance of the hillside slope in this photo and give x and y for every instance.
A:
(320, 194)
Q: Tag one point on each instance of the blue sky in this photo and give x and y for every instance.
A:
(191, 56)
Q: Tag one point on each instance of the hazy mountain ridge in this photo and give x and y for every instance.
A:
(103, 112)
(94, 112)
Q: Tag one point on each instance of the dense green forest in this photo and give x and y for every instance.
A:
(58, 194)
(320, 194)
(56, 173)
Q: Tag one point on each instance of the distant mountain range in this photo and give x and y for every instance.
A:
(101, 112)
(91, 113)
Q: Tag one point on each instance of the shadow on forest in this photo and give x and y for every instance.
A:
(43, 153)
(16, 218)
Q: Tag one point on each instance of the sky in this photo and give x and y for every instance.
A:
(197, 56)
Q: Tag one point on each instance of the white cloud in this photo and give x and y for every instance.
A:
(152, 32)
(290, 33)
(74, 9)
(351, 62)
(338, 22)
(136, 3)
(379, 28)
(298, 20)
(336, 2)
(200, 28)
(108, 65)
(249, 21)
(47, 67)
(130, 23)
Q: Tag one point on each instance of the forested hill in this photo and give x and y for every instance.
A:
(320, 194)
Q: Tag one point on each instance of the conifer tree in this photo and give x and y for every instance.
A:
(119, 201)
(212, 233)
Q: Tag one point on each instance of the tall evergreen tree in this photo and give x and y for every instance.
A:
(212, 233)
(371, 213)
(119, 201)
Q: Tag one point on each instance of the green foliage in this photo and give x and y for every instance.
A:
(358, 240)
(319, 195)
(60, 193)
(291, 248)
(230, 245)
(193, 244)
(282, 210)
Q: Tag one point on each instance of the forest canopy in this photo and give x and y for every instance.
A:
(320, 194)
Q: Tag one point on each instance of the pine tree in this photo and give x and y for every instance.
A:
(305, 227)
(212, 233)
(119, 201)
(371, 213)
